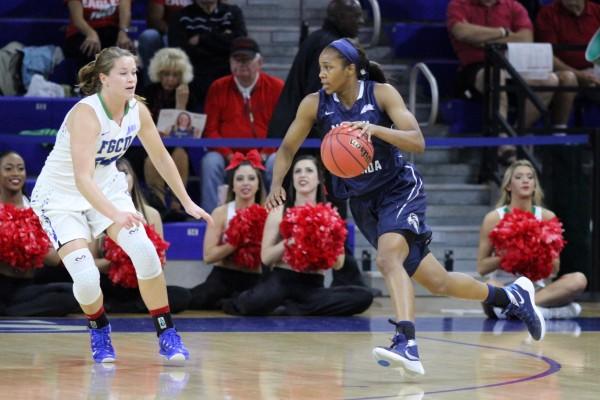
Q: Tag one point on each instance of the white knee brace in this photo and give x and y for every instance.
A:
(85, 274)
(142, 252)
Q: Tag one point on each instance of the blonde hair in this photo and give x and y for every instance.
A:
(538, 193)
(171, 58)
(89, 74)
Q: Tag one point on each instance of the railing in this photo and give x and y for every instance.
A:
(376, 23)
(412, 92)
(494, 123)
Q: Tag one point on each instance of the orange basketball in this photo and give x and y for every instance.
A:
(345, 152)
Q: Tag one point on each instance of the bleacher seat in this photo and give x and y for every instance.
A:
(421, 40)
(34, 9)
(444, 71)
(28, 113)
(410, 10)
(462, 116)
(54, 9)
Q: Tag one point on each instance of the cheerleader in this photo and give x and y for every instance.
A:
(245, 192)
(554, 295)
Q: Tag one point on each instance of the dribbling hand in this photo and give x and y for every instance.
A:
(128, 219)
(275, 198)
(363, 126)
(198, 212)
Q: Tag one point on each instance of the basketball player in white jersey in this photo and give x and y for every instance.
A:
(80, 193)
(521, 189)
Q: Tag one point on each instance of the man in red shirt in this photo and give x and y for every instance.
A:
(239, 105)
(472, 24)
(570, 22)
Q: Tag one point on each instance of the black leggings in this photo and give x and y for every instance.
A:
(221, 284)
(24, 298)
(118, 299)
(299, 294)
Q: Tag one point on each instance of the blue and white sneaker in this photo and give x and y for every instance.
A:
(102, 349)
(171, 346)
(521, 294)
(401, 354)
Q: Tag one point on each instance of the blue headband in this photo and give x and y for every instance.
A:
(345, 47)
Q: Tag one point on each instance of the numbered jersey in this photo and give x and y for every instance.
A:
(111, 143)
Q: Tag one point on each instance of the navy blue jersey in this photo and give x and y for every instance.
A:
(387, 160)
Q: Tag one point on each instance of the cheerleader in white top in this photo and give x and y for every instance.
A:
(80, 194)
(521, 190)
(236, 266)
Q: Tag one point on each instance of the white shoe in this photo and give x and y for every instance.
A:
(571, 310)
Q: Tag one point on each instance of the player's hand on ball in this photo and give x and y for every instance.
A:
(364, 127)
(275, 198)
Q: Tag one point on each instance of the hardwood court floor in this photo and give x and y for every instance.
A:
(465, 357)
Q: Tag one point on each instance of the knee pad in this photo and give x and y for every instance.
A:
(85, 274)
(142, 252)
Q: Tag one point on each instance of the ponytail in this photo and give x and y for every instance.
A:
(89, 81)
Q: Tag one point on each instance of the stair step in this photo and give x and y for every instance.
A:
(457, 194)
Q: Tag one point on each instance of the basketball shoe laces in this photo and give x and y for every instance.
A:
(101, 340)
(170, 341)
(513, 308)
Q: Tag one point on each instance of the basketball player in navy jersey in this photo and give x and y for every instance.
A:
(388, 200)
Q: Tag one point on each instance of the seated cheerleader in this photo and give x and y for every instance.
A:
(19, 294)
(236, 266)
(300, 291)
(119, 282)
(554, 296)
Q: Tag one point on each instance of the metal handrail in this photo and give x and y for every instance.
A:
(412, 91)
(376, 24)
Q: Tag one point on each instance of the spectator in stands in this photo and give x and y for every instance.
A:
(170, 72)
(95, 25)
(129, 300)
(205, 30)
(284, 290)
(245, 188)
(472, 24)
(19, 294)
(343, 20)
(154, 38)
(239, 105)
(571, 22)
(521, 190)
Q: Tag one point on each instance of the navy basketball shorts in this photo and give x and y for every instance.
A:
(399, 206)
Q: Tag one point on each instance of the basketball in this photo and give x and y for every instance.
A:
(345, 152)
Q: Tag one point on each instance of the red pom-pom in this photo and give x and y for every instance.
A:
(23, 242)
(244, 232)
(527, 246)
(314, 237)
(121, 270)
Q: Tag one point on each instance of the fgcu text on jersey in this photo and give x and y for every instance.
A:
(111, 150)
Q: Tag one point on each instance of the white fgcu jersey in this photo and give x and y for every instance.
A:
(55, 187)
